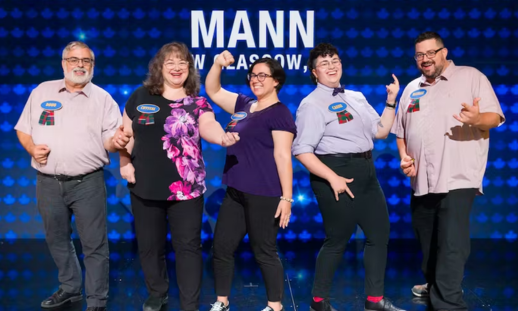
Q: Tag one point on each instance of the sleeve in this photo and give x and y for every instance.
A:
(241, 102)
(202, 105)
(24, 122)
(130, 104)
(481, 87)
(112, 118)
(283, 121)
(373, 114)
(311, 125)
(398, 128)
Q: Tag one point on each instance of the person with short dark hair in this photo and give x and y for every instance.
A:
(442, 130)
(163, 164)
(336, 128)
(258, 173)
(68, 127)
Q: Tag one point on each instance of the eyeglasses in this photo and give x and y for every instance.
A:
(260, 77)
(181, 65)
(326, 64)
(429, 54)
(75, 61)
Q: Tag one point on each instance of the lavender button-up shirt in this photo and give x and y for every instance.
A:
(448, 154)
(86, 119)
(321, 130)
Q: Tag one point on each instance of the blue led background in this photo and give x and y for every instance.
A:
(375, 39)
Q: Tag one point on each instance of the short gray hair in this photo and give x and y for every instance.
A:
(77, 44)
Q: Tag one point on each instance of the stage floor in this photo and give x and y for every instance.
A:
(28, 275)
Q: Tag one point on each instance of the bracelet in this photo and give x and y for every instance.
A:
(393, 106)
(286, 199)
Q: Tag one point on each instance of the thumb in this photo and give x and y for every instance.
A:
(407, 158)
(475, 101)
(278, 212)
(121, 127)
(236, 135)
(349, 180)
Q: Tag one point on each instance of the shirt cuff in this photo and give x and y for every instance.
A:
(302, 149)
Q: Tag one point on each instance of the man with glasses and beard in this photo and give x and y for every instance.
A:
(442, 129)
(68, 127)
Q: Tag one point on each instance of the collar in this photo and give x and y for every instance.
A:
(326, 88)
(87, 89)
(446, 75)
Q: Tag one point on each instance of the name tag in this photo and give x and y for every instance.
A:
(418, 94)
(51, 105)
(238, 116)
(337, 107)
(148, 108)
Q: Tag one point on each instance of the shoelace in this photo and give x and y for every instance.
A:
(218, 306)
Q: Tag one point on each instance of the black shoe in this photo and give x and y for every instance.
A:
(219, 306)
(59, 298)
(383, 305)
(96, 309)
(155, 303)
(323, 305)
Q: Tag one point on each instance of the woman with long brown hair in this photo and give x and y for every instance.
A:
(164, 167)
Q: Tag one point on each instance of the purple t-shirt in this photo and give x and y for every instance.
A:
(250, 166)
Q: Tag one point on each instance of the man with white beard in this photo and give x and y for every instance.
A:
(68, 127)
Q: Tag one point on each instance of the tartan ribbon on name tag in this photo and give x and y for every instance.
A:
(231, 125)
(344, 117)
(146, 119)
(414, 106)
(47, 118)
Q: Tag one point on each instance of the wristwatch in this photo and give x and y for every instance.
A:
(393, 106)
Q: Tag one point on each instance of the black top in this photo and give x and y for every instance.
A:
(167, 151)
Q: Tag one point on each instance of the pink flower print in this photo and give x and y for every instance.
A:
(180, 191)
(202, 106)
(190, 170)
(188, 101)
(172, 151)
(179, 124)
(190, 148)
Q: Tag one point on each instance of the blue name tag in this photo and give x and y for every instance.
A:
(337, 107)
(238, 116)
(418, 94)
(51, 105)
(148, 108)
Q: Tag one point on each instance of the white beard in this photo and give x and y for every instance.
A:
(72, 77)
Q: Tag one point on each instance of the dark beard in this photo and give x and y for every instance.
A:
(436, 73)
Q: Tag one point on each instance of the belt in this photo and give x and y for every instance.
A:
(361, 155)
(67, 177)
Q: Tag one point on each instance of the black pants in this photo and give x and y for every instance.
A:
(185, 221)
(86, 200)
(368, 210)
(243, 213)
(441, 224)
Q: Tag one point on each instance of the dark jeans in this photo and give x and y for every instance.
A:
(441, 224)
(185, 221)
(86, 200)
(243, 213)
(368, 209)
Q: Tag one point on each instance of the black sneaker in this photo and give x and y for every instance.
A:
(219, 306)
(155, 303)
(323, 305)
(383, 305)
(59, 298)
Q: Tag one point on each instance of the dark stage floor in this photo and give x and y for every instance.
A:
(28, 275)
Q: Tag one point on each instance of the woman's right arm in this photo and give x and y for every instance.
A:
(221, 97)
(126, 168)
